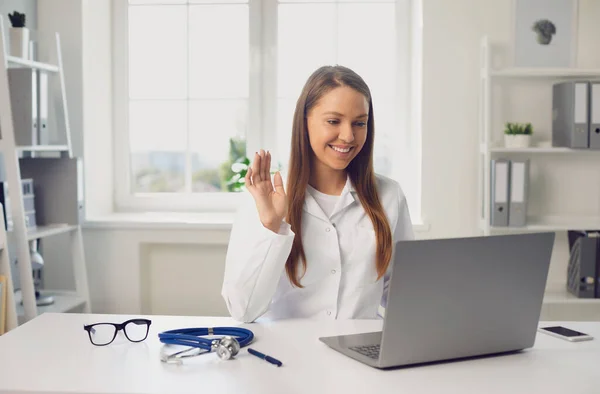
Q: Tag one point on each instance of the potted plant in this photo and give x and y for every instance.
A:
(19, 35)
(544, 30)
(517, 135)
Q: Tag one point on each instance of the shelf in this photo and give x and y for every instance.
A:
(49, 230)
(64, 301)
(31, 64)
(546, 73)
(554, 223)
(546, 150)
(564, 297)
(43, 148)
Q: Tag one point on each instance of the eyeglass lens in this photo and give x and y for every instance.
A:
(136, 330)
(102, 334)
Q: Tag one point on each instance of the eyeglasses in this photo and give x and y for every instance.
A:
(102, 334)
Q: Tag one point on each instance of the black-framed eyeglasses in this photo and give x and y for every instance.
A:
(102, 334)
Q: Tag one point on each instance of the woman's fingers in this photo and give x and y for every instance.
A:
(260, 169)
(267, 173)
(278, 183)
(263, 161)
(256, 169)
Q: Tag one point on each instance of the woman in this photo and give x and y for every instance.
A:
(323, 247)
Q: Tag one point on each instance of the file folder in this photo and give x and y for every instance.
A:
(570, 115)
(595, 116)
(582, 280)
(519, 191)
(500, 176)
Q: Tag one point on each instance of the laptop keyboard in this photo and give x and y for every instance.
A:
(371, 351)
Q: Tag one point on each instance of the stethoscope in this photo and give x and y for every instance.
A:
(226, 347)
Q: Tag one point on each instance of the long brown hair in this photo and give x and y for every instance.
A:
(360, 168)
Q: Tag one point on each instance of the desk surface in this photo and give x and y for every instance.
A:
(52, 353)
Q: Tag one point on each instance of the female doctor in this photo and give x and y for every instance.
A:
(322, 247)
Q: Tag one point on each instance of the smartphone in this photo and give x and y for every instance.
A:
(565, 333)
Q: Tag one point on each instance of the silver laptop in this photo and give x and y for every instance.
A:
(457, 298)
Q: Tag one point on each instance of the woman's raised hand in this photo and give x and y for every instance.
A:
(269, 196)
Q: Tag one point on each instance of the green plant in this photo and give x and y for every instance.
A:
(237, 182)
(17, 19)
(518, 129)
(230, 179)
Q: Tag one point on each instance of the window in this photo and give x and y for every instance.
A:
(200, 83)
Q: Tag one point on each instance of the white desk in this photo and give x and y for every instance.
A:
(52, 353)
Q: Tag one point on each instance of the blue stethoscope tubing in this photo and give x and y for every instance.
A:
(193, 336)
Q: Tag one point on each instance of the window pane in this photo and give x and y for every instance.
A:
(216, 1)
(217, 139)
(157, 162)
(367, 45)
(162, 2)
(371, 51)
(306, 35)
(156, 125)
(158, 172)
(336, 1)
(385, 143)
(157, 52)
(219, 51)
(186, 1)
(285, 115)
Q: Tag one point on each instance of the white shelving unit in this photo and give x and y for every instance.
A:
(488, 151)
(542, 150)
(64, 301)
(20, 162)
(551, 73)
(558, 304)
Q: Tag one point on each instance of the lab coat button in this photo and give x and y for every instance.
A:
(328, 313)
(327, 229)
(333, 271)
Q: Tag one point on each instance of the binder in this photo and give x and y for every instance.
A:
(500, 177)
(570, 115)
(595, 116)
(519, 191)
(583, 263)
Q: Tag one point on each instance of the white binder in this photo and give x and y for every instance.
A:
(500, 177)
(595, 116)
(519, 190)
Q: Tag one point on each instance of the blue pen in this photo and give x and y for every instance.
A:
(265, 357)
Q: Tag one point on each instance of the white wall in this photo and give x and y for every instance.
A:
(154, 271)
(163, 270)
(65, 17)
(97, 111)
(27, 7)
(451, 39)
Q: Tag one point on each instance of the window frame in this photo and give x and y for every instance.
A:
(262, 121)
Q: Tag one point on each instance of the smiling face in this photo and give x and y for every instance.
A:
(337, 127)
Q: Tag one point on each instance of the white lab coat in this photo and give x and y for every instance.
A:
(341, 277)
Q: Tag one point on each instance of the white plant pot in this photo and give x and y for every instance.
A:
(19, 42)
(517, 141)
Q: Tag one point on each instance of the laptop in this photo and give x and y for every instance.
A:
(457, 298)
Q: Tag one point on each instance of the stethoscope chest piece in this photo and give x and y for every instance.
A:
(226, 348)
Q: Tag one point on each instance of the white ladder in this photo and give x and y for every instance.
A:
(64, 301)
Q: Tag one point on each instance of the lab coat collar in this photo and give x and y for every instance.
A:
(347, 197)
